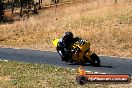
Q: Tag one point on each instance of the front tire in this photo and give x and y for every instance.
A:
(95, 61)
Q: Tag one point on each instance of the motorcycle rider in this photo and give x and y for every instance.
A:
(64, 45)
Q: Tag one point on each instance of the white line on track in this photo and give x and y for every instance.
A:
(5, 60)
(96, 72)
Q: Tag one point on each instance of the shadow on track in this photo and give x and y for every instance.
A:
(107, 66)
(88, 64)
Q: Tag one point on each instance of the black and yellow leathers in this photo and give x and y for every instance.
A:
(82, 53)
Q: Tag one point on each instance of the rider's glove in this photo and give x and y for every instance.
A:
(77, 50)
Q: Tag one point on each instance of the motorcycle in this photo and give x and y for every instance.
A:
(81, 52)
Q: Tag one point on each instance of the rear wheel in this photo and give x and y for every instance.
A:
(95, 61)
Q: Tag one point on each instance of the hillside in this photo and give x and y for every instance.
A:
(106, 25)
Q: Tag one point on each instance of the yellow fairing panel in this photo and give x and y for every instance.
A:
(88, 54)
(55, 42)
(83, 51)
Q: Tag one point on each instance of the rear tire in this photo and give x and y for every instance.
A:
(95, 61)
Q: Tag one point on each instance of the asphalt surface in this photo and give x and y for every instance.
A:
(108, 64)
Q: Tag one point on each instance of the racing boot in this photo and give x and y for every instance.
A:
(64, 59)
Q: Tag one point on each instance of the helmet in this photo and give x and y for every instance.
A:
(67, 36)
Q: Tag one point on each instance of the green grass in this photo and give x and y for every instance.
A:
(28, 75)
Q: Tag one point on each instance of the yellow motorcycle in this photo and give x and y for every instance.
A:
(82, 53)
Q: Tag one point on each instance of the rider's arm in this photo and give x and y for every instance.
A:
(60, 45)
(76, 39)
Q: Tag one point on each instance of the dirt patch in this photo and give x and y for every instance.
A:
(5, 78)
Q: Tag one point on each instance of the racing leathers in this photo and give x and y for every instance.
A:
(64, 48)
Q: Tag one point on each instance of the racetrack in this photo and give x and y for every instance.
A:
(108, 64)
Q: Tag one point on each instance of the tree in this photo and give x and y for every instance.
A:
(21, 9)
(13, 6)
(56, 1)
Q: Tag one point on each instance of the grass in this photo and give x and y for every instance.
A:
(106, 25)
(28, 75)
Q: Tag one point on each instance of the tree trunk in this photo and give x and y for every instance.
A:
(1, 10)
(21, 9)
(115, 1)
(39, 4)
(13, 6)
(28, 9)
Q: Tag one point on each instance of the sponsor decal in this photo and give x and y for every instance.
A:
(84, 77)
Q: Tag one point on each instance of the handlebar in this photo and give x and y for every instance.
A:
(82, 42)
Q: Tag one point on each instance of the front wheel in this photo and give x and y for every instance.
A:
(95, 61)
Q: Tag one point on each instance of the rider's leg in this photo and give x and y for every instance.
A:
(63, 55)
